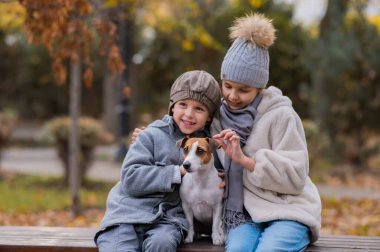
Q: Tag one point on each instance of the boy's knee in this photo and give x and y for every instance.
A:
(160, 242)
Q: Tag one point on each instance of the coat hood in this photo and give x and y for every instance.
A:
(273, 99)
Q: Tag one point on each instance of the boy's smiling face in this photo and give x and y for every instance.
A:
(238, 95)
(190, 115)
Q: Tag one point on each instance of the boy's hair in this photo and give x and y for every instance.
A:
(199, 86)
(247, 60)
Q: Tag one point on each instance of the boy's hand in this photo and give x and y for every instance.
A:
(182, 171)
(135, 133)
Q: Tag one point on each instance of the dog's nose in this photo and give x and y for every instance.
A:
(186, 165)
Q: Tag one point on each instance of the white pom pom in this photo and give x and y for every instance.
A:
(255, 28)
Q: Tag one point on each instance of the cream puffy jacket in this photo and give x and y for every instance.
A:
(279, 188)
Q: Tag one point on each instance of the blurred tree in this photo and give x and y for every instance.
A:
(175, 36)
(27, 83)
(287, 68)
(344, 69)
(168, 37)
(66, 29)
(123, 105)
(180, 37)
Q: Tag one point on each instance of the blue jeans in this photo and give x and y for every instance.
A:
(279, 235)
(141, 237)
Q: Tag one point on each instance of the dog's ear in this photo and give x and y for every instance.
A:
(213, 143)
(182, 142)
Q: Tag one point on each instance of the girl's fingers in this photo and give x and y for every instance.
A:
(235, 137)
(224, 132)
(232, 135)
(220, 142)
(227, 135)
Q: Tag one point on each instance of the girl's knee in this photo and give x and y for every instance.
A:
(242, 238)
(285, 236)
(239, 244)
(280, 246)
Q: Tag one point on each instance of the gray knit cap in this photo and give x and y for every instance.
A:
(247, 60)
(197, 85)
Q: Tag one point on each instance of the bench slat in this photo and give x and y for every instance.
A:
(55, 239)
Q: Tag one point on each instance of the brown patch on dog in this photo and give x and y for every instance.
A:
(204, 149)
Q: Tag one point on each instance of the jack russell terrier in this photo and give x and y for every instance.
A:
(200, 193)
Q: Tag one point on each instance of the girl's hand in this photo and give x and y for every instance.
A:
(135, 133)
(229, 140)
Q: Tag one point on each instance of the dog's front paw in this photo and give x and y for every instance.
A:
(190, 236)
(189, 239)
(218, 239)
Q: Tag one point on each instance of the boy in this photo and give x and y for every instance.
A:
(144, 209)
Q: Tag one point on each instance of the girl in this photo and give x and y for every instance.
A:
(270, 202)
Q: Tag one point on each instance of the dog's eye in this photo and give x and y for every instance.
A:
(200, 151)
(186, 150)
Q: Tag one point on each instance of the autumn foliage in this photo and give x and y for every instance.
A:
(68, 28)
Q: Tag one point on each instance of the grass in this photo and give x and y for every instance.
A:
(30, 200)
(24, 193)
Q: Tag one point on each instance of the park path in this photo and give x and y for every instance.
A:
(44, 161)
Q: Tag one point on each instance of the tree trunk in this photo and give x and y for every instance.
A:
(334, 17)
(110, 102)
(325, 71)
(75, 99)
(125, 109)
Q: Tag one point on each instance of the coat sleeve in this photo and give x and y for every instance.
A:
(284, 167)
(142, 174)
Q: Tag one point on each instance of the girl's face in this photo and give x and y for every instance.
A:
(190, 115)
(238, 95)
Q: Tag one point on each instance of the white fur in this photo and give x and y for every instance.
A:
(201, 196)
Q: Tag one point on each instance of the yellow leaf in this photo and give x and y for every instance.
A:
(187, 45)
(12, 15)
(256, 3)
(375, 20)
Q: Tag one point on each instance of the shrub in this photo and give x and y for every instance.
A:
(91, 134)
(8, 119)
(317, 143)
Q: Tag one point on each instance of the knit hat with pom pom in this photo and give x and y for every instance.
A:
(247, 60)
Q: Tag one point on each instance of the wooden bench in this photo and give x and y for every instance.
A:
(52, 239)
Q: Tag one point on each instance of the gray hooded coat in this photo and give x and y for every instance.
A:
(148, 191)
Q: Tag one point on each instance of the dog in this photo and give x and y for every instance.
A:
(202, 198)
